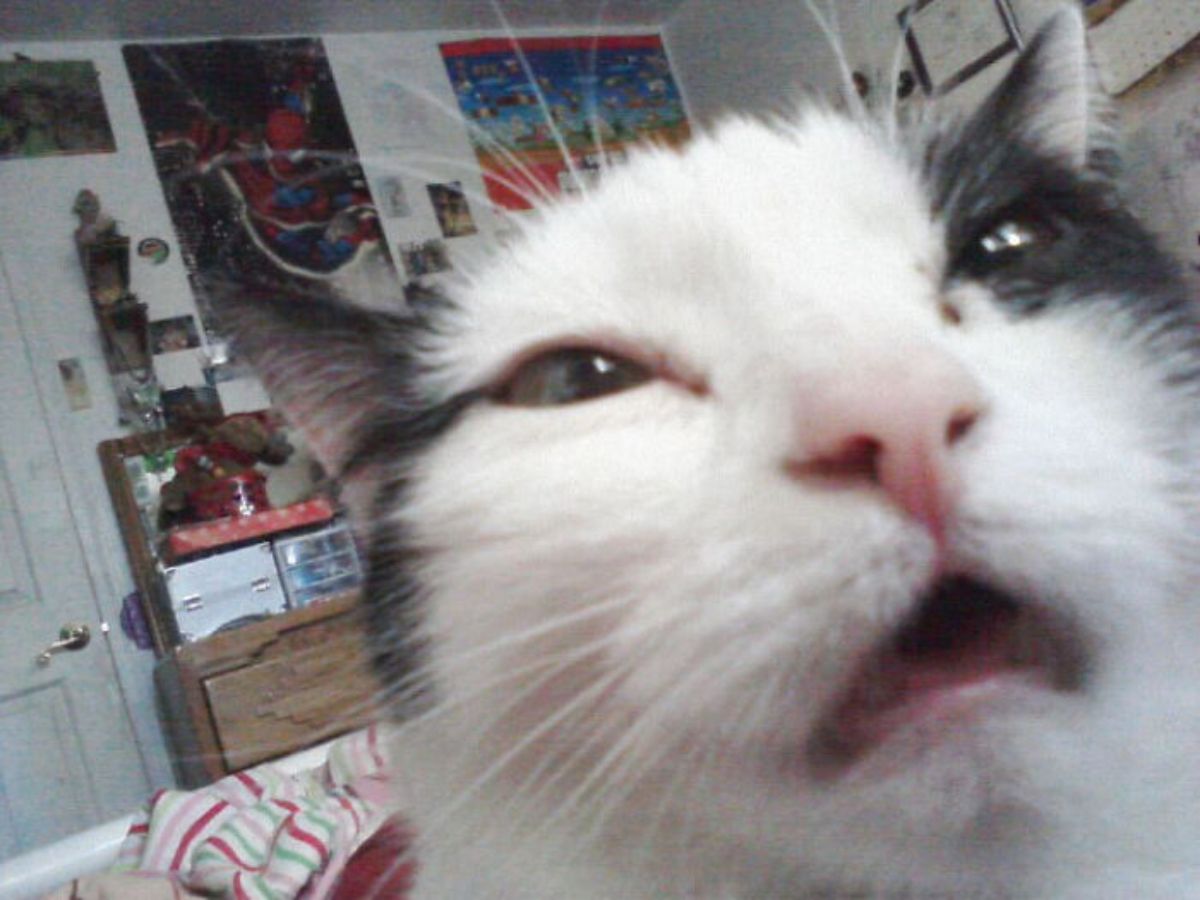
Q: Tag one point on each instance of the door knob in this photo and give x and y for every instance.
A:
(71, 636)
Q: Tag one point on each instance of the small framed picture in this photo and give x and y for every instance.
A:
(450, 206)
(169, 335)
(952, 40)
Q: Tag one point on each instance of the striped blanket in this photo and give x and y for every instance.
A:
(261, 834)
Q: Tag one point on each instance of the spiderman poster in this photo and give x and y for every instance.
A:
(259, 168)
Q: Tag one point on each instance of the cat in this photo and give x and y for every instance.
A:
(808, 512)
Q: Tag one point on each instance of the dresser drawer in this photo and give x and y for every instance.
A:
(272, 707)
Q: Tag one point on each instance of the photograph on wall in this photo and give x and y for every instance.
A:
(450, 207)
(177, 333)
(75, 385)
(393, 198)
(52, 109)
(259, 168)
(590, 96)
(422, 258)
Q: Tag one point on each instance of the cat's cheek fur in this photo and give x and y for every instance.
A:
(1065, 417)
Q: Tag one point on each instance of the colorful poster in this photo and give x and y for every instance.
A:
(593, 97)
(52, 108)
(259, 168)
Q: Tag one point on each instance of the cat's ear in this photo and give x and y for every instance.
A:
(332, 369)
(1051, 99)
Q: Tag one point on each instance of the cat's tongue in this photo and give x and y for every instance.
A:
(963, 639)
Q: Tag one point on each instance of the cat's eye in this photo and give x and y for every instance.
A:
(1008, 239)
(568, 375)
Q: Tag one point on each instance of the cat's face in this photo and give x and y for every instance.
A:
(819, 490)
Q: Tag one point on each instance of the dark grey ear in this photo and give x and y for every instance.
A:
(1051, 100)
(346, 377)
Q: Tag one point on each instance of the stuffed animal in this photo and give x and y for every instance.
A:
(218, 476)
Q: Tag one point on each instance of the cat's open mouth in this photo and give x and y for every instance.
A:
(964, 642)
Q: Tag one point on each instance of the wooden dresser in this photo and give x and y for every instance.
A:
(265, 690)
(251, 693)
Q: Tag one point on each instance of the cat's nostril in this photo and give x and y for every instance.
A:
(960, 424)
(949, 313)
(857, 457)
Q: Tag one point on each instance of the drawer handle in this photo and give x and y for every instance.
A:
(258, 585)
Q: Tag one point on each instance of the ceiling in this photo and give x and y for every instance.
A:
(60, 20)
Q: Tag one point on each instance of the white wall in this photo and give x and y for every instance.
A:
(762, 55)
(1162, 137)
(758, 56)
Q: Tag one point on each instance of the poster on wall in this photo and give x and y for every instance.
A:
(590, 97)
(259, 168)
(51, 109)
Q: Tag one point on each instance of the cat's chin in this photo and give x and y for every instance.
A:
(967, 653)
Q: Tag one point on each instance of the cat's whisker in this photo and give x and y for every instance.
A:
(548, 626)
(419, 680)
(482, 137)
(618, 775)
(594, 115)
(686, 769)
(625, 778)
(412, 165)
(579, 703)
(646, 721)
(555, 766)
(892, 119)
(555, 664)
(560, 718)
(833, 40)
(552, 124)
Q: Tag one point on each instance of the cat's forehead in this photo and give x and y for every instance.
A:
(777, 222)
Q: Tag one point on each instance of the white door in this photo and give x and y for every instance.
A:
(68, 758)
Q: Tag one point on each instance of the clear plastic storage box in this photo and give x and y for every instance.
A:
(317, 564)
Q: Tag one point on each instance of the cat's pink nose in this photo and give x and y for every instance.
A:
(895, 426)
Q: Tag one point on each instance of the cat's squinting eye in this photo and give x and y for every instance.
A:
(568, 375)
(1007, 240)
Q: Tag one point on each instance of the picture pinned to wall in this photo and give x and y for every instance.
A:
(424, 258)
(951, 41)
(75, 385)
(393, 198)
(52, 109)
(259, 168)
(170, 335)
(450, 207)
(592, 95)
